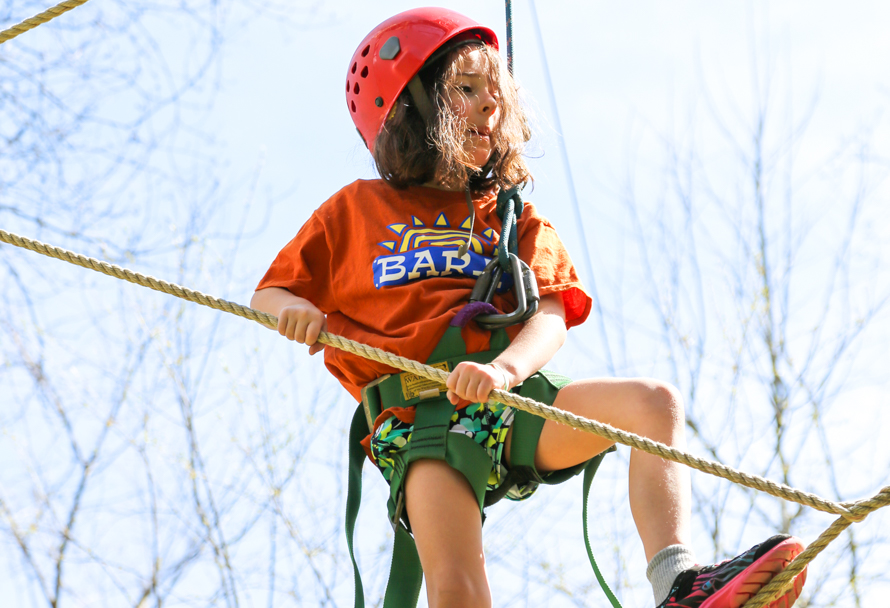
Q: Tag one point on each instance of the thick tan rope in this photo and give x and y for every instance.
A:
(47, 15)
(381, 356)
(140, 279)
(849, 511)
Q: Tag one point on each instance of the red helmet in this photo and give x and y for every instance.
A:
(392, 54)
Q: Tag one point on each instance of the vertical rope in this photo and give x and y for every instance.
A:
(573, 195)
(508, 4)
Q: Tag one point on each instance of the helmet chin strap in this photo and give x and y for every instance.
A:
(415, 86)
(421, 100)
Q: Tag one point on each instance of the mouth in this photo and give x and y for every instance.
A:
(480, 132)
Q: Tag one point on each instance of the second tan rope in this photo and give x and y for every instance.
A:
(39, 19)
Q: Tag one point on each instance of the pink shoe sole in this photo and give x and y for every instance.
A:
(756, 576)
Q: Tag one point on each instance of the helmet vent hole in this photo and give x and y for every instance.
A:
(352, 106)
(355, 89)
(347, 86)
(365, 72)
(366, 50)
(354, 66)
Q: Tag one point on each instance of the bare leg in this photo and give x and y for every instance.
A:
(447, 528)
(659, 490)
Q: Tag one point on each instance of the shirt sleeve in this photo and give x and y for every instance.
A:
(542, 249)
(303, 267)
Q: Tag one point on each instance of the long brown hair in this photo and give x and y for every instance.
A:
(410, 151)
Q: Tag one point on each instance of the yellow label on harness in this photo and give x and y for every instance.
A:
(413, 385)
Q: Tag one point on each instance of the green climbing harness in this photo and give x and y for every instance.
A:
(431, 439)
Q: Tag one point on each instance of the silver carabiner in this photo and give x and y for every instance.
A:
(525, 286)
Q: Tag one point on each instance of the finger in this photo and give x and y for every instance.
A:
(471, 389)
(317, 347)
(454, 377)
(291, 328)
(484, 390)
(300, 330)
(451, 381)
(312, 332)
(463, 384)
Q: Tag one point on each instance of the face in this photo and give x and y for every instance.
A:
(474, 99)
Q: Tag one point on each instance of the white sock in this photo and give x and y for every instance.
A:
(664, 568)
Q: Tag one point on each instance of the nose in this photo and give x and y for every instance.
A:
(487, 102)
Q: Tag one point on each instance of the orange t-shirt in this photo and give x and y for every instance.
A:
(382, 264)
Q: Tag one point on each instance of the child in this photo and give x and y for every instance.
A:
(391, 262)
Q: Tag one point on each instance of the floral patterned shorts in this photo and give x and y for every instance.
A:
(486, 424)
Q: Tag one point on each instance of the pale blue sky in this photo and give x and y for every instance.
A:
(630, 79)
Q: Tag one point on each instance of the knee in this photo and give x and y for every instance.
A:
(661, 403)
(457, 590)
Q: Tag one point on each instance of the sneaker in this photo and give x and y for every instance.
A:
(731, 583)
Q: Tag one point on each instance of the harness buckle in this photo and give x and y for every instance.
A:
(397, 515)
(430, 393)
(525, 286)
(370, 415)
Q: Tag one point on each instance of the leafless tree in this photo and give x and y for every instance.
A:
(750, 291)
(146, 463)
